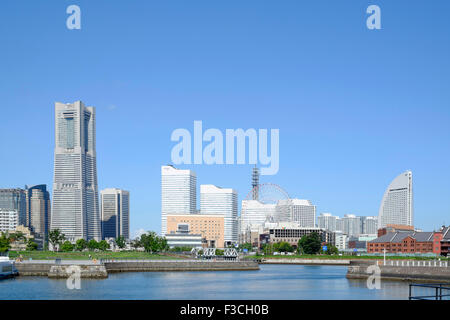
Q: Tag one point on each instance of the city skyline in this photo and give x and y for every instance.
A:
(343, 97)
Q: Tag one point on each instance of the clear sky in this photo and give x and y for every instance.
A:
(355, 107)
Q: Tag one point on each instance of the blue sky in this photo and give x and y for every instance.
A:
(355, 107)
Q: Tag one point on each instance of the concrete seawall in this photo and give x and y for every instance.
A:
(89, 269)
(401, 273)
(174, 265)
(330, 262)
(85, 271)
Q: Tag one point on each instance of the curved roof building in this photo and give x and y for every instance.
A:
(397, 204)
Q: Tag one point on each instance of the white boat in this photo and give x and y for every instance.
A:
(7, 268)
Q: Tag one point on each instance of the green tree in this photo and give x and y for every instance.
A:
(80, 245)
(268, 249)
(16, 236)
(153, 243)
(56, 238)
(103, 245)
(92, 245)
(67, 246)
(331, 249)
(120, 242)
(136, 243)
(5, 243)
(310, 244)
(31, 245)
(282, 247)
(219, 252)
(246, 245)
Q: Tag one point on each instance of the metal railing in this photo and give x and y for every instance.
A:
(440, 291)
(417, 263)
(167, 260)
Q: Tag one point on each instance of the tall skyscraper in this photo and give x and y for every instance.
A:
(397, 204)
(222, 201)
(38, 209)
(178, 193)
(15, 199)
(75, 191)
(115, 213)
(326, 221)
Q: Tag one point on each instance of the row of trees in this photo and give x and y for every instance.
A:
(7, 238)
(58, 240)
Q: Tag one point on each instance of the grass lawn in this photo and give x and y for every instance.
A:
(50, 255)
(346, 257)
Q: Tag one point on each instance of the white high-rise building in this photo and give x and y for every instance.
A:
(254, 214)
(352, 225)
(9, 219)
(115, 213)
(397, 204)
(75, 209)
(339, 224)
(215, 200)
(369, 225)
(327, 221)
(178, 193)
(341, 241)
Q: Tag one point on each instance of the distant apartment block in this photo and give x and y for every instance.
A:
(115, 213)
(327, 221)
(9, 220)
(369, 225)
(300, 211)
(15, 199)
(351, 225)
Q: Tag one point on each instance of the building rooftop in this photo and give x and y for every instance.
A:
(396, 237)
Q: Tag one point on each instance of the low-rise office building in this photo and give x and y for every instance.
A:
(210, 227)
(292, 233)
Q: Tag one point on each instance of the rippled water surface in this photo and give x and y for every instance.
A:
(271, 282)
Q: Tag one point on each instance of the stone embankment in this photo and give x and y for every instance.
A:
(100, 269)
(422, 271)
